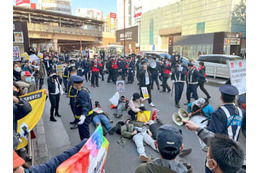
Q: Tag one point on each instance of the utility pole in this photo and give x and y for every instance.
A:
(124, 28)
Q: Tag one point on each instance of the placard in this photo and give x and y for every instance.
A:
(16, 53)
(145, 92)
(18, 37)
(237, 71)
(120, 86)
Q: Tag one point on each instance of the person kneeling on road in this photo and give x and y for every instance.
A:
(99, 116)
(134, 104)
(169, 144)
(139, 134)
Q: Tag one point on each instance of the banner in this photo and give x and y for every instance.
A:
(120, 86)
(37, 101)
(145, 92)
(91, 158)
(16, 53)
(237, 71)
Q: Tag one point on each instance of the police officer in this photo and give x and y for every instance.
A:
(86, 67)
(138, 66)
(178, 79)
(114, 70)
(192, 81)
(101, 68)
(228, 118)
(83, 109)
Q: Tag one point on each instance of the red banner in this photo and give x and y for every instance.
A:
(113, 15)
(33, 5)
(19, 2)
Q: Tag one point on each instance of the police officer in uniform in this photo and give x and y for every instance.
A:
(131, 70)
(178, 79)
(228, 118)
(109, 68)
(83, 109)
(192, 81)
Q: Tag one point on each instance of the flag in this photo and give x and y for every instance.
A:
(91, 158)
(37, 101)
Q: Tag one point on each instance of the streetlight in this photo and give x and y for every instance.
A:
(124, 28)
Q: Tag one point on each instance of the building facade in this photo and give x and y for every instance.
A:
(160, 26)
(110, 23)
(59, 6)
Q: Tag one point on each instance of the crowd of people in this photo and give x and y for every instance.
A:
(65, 75)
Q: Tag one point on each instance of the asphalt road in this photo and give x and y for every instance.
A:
(125, 159)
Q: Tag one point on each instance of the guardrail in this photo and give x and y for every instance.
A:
(63, 30)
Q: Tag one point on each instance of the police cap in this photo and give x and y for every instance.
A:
(190, 64)
(77, 79)
(229, 90)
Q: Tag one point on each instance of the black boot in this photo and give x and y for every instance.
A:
(52, 119)
(177, 105)
(57, 115)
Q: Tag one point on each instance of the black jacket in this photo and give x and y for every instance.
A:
(51, 84)
(142, 77)
(194, 76)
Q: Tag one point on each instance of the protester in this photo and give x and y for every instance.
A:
(145, 81)
(166, 74)
(50, 166)
(99, 116)
(27, 77)
(134, 105)
(16, 71)
(202, 70)
(54, 87)
(169, 144)
(138, 134)
(41, 74)
(122, 105)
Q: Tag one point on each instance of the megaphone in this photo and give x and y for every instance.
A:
(177, 119)
(183, 114)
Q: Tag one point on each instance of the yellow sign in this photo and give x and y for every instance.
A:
(37, 102)
(143, 116)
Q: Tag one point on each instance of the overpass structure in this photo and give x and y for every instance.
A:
(60, 31)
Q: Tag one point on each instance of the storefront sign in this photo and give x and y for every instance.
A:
(131, 34)
(232, 41)
(128, 36)
(18, 37)
(113, 15)
(237, 70)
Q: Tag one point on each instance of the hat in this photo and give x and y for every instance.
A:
(25, 73)
(200, 102)
(17, 161)
(136, 96)
(77, 79)
(72, 69)
(169, 139)
(229, 90)
(190, 64)
(179, 60)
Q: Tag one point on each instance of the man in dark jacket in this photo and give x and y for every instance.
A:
(131, 70)
(166, 74)
(86, 67)
(145, 81)
(109, 68)
(54, 87)
(169, 143)
(50, 166)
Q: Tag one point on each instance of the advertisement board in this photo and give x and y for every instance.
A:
(113, 15)
(19, 2)
(18, 37)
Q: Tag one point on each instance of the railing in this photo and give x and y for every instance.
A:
(63, 30)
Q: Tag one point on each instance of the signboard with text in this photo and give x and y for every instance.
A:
(19, 2)
(237, 70)
(113, 15)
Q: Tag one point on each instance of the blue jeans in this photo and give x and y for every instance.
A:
(98, 119)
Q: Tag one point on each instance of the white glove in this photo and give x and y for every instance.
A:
(180, 68)
(82, 119)
(173, 81)
(206, 80)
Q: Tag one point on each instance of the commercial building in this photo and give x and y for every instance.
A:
(110, 23)
(58, 32)
(90, 13)
(59, 6)
(164, 27)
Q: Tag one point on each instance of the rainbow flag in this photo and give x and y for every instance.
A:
(91, 158)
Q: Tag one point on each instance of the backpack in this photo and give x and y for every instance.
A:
(119, 124)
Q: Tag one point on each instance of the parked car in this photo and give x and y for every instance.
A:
(158, 55)
(216, 65)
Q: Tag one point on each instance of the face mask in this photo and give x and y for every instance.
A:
(208, 164)
(28, 79)
(73, 74)
(18, 69)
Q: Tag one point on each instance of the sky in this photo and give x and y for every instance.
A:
(106, 6)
